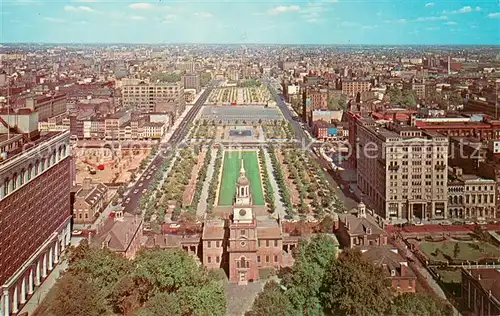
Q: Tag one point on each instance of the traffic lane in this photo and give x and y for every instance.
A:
(177, 135)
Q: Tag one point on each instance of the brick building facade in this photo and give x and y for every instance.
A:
(34, 215)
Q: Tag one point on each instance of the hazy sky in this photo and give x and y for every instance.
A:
(250, 21)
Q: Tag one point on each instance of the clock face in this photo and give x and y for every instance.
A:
(243, 243)
(243, 212)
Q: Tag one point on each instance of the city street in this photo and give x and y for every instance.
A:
(346, 197)
(164, 150)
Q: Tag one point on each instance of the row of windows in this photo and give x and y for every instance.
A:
(268, 259)
(19, 179)
(268, 243)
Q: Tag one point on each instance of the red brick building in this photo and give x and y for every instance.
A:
(35, 186)
(394, 266)
(355, 230)
(481, 290)
(244, 244)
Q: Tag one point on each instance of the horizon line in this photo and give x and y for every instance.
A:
(241, 43)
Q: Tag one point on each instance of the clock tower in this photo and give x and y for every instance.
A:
(243, 234)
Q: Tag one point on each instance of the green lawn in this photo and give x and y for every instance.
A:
(231, 172)
(467, 250)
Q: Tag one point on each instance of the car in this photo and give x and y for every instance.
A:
(174, 226)
(148, 177)
(144, 190)
(444, 223)
(136, 190)
(481, 222)
(140, 184)
(418, 223)
(469, 223)
(76, 232)
(127, 200)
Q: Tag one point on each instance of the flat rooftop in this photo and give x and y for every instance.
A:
(248, 113)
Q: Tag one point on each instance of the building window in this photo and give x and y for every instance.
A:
(209, 244)
(275, 258)
(242, 232)
(267, 258)
(217, 259)
(275, 243)
(209, 259)
(258, 243)
(217, 244)
(267, 243)
(258, 259)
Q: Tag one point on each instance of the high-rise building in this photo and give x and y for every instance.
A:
(35, 183)
(145, 96)
(191, 81)
(402, 170)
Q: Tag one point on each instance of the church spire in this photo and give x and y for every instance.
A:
(242, 169)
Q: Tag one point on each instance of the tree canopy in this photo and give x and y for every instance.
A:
(101, 282)
(321, 284)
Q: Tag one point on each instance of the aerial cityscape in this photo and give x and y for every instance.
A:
(250, 158)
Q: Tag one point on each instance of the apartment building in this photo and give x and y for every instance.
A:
(35, 219)
(145, 96)
(352, 87)
(191, 81)
(48, 106)
(402, 170)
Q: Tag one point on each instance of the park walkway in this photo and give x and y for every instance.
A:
(202, 205)
(280, 208)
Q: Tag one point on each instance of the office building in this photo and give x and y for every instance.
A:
(144, 97)
(34, 211)
(191, 81)
(402, 171)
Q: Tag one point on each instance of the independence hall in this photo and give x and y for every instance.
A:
(34, 206)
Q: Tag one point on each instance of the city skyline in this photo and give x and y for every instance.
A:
(223, 22)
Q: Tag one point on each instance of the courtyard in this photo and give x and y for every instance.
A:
(230, 173)
(466, 250)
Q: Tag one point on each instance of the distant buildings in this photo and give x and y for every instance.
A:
(146, 96)
(35, 219)
(47, 106)
(191, 81)
(352, 87)
(122, 125)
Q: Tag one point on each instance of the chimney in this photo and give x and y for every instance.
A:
(86, 184)
(403, 266)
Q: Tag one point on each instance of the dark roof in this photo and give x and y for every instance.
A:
(389, 260)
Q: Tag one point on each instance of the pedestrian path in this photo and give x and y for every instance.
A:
(202, 205)
(279, 207)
